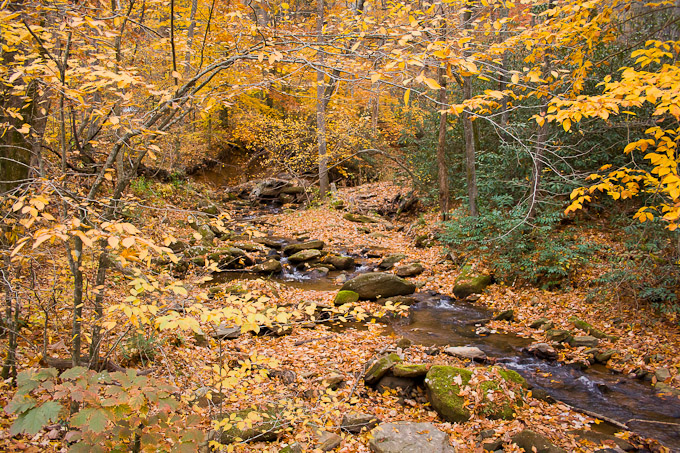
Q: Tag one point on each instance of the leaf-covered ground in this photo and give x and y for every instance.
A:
(294, 371)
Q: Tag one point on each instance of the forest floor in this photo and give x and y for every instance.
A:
(327, 361)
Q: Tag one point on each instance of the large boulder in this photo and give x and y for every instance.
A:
(475, 285)
(292, 249)
(379, 284)
(403, 437)
(444, 384)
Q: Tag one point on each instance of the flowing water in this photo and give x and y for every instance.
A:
(438, 320)
(441, 321)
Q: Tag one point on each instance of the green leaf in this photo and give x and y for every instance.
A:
(74, 373)
(32, 421)
(20, 404)
(91, 419)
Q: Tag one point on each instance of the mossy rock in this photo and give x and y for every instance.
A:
(380, 368)
(292, 249)
(475, 285)
(271, 266)
(443, 391)
(345, 297)
(389, 261)
(359, 218)
(513, 376)
(340, 262)
(266, 429)
(559, 335)
(379, 284)
(540, 322)
(305, 255)
(409, 371)
(580, 324)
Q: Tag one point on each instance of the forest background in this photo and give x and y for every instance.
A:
(543, 134)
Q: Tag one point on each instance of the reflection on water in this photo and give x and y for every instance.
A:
(446, 322)
(439, 320)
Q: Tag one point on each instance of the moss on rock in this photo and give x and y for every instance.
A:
(475, 285)
(345, 297)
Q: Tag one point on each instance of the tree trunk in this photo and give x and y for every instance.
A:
(469, 133)
(442, 168)
(321, 108)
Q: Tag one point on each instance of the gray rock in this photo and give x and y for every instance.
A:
(223, 332)
(345, 297)
(205, 397)
(662, 374)
(542, 351)
(271, 266)
(206, 234)
(466, 352)
(529, 440)
(665, 389)
(475, 285)
(409, 437)
(292, 448)
(593, 437)
(309, 245)
(305, 255)
(389, 261)
(341, 263)
(400, 384)
(605, 356)
(355, 422)
(359, 218)
(539, 323)
(410, 270)
(584, 341)
(379, 284)
(401, 300)
(558, 335)
(409, 371)
(506, 315)
(178, 246)
(327, 441)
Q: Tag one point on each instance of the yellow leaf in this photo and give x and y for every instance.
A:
(406, 96)
(431, 83)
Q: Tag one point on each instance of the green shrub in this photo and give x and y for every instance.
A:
(140, 348)
(538, 253)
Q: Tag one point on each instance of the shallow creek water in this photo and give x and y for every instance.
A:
(438, 320)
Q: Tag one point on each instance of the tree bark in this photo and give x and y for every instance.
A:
(442, 168)
(321, 107)
(469, 133)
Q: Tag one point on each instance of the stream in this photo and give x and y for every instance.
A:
(438, 320)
